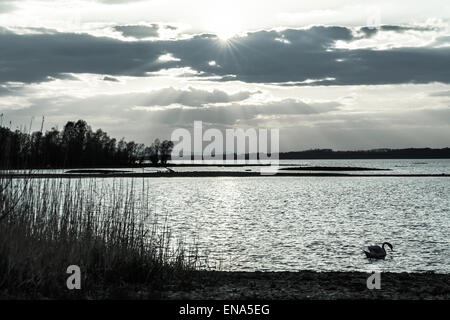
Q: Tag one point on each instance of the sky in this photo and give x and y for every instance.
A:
(345, 75)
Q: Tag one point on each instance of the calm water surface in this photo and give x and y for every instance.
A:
(318, 223)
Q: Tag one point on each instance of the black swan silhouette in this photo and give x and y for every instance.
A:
(377, 252)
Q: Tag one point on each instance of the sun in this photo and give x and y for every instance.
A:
(225, 34)
(226, 27)
(225, 22)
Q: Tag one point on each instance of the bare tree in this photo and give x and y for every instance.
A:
(165, 150)
(154, 151)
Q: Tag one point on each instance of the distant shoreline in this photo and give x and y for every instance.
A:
(206, 174)
(233, 163)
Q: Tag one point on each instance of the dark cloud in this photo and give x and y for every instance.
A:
(36, 57)
(39, 30)
(406, 28)
(138, 31)
(309, 54)
(111, 79)
(192, 97)
(169, 27)
(371, 31)
(64, 76)
(257, 57)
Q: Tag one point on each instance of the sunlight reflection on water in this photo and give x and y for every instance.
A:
(297, 223)
(317, 223)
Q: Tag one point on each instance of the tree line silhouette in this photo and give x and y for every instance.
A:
(76, 146)
(408, 153)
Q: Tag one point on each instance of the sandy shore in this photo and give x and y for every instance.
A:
(307, 285)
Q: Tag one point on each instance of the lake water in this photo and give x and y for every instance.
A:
(315, 223)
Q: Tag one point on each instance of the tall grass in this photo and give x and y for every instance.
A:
(107, 229)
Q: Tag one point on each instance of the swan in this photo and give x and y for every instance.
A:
(377, 252)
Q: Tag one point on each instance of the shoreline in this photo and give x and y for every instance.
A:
(241, 286)
(221, 285)
(206, 174)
